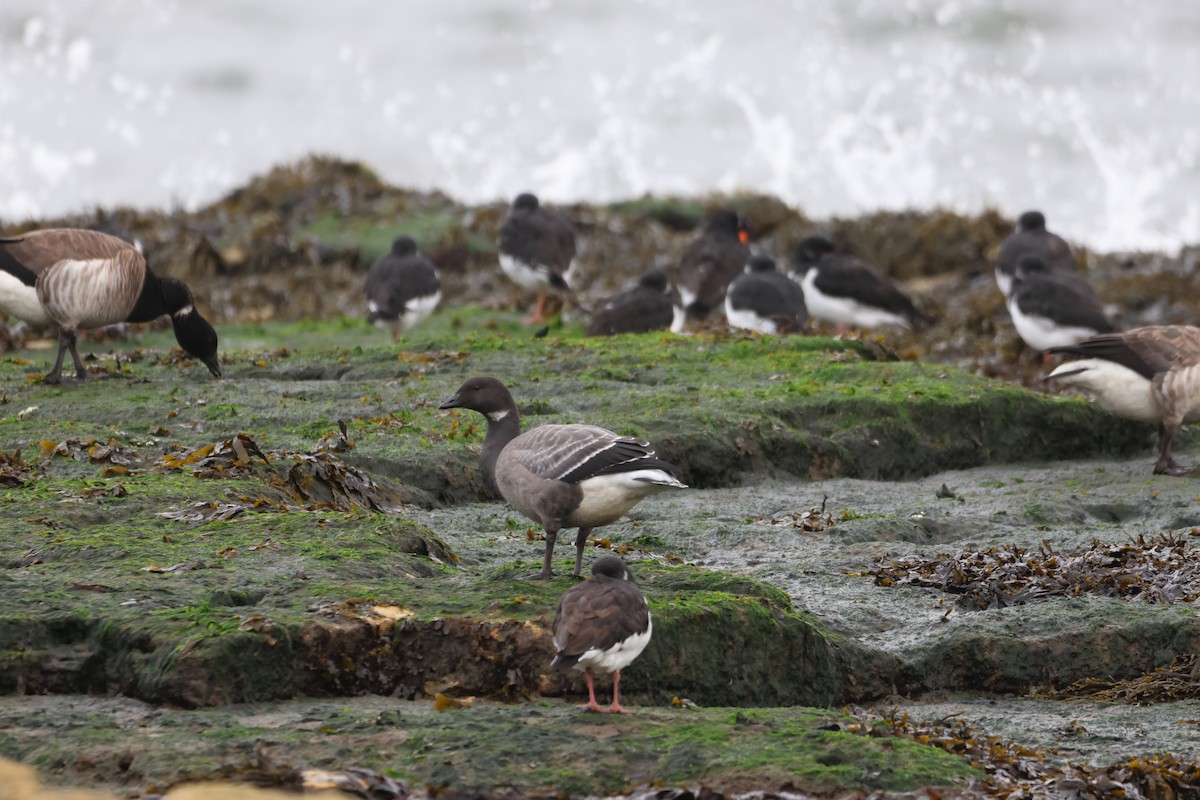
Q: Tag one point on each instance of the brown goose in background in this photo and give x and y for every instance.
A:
(536, 250)
(87, 279)
(646, 307)
(850, 292)
(1032, 239)
(765, 300)
(1053, 309)
(711, 263)
(561, 476)
(402, 288)
(602, 624)
(1149, 374)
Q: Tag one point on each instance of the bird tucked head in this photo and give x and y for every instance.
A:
(613, 567)
(403, 246)
(1032, 221)
(526, 202)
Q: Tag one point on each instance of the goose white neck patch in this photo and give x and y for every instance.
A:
(185, 311)
(496, 416)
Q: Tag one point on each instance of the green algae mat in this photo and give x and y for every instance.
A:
(198, 542)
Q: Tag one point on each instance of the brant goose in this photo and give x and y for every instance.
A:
(402, 288)
(1053, 309)
(646, 307)
(87, 279)
(1031, 239)
(536, 250)
(604, 624)
(711, 263)
(562, 476)
(765, 300)
(848, 291)
(1149, 374)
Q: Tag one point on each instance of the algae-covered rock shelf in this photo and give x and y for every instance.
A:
(312, 525)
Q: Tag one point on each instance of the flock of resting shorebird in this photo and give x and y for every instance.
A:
(582, 476)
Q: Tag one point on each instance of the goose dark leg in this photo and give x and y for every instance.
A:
(546, 573)
(80, 370)
(580, 543)
(65, 339)
(1165, 464)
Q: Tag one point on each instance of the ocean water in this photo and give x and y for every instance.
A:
(1086, 109)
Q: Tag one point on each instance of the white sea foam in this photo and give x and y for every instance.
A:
(1085, 109)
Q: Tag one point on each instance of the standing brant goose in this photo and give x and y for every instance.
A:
(536, 250)
(1149, 374)
(1031, 239)
(88, 279)
(561, 476)
(765, 300)
(646, 307)
(711, 262)
(402, 288)
(848, 291)
(602, 624)
(1053, 309)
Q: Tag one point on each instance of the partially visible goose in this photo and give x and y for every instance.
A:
(87, 279)
(1031, 239)
(850, 292)
(402, 288)
(561, 476)
(646, 307)
(1149, 374)
(1053, 309)
(602, 624)
(765, 300)
(711, 263)
(536, 250)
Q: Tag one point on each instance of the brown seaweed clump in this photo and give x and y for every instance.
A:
(1162, 569)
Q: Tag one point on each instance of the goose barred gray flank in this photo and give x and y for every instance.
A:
(848, 291)
(646, 307)
(711, 263)
(87, 279)
(1149, 374)
(1031, 239)
(561, 476)
(402, 288)
(537, 249)
(1053, 309)
(765, 300)
(602, 624)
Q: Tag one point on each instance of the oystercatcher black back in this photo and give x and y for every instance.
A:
(602, 624)
(1053, 309)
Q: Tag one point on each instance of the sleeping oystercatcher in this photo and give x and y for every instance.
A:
(1031, 239)
(1053, 309)
(765, 300)
(850, 292)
